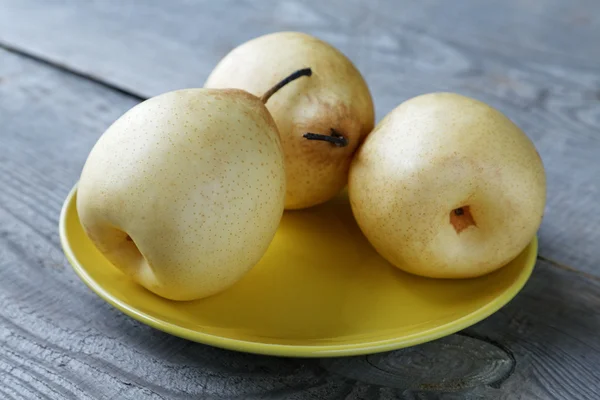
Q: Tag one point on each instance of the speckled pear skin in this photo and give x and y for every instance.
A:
(334, 97)
(185, 191)
(447, 187)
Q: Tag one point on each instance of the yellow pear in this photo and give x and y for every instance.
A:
(447, 187)
(185, 191)
(321, 120)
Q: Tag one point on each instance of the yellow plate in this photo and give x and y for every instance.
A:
(320, 290)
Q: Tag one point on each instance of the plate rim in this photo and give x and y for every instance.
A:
(286, 350)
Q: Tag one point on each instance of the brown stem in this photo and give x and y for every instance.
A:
(335, 138)
(298, 74)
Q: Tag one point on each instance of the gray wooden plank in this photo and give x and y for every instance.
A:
(535, 61)
(60, 341)
(152, 48)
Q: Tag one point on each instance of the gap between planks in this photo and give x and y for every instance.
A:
(62, 67)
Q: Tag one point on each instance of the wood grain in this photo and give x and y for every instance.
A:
(60, 341)
(535, 61)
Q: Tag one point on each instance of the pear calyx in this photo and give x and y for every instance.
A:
(461, 218)
(336, 138)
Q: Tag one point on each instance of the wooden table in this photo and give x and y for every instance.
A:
(69, 68)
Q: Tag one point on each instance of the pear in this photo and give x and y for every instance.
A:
(185, 191)
(321, 120)
(447, 187)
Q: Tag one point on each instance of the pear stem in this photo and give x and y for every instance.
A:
(335, 138)
(298, 74)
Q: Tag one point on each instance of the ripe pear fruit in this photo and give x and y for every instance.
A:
(185, 191)
(447, 187)
(321, 120)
